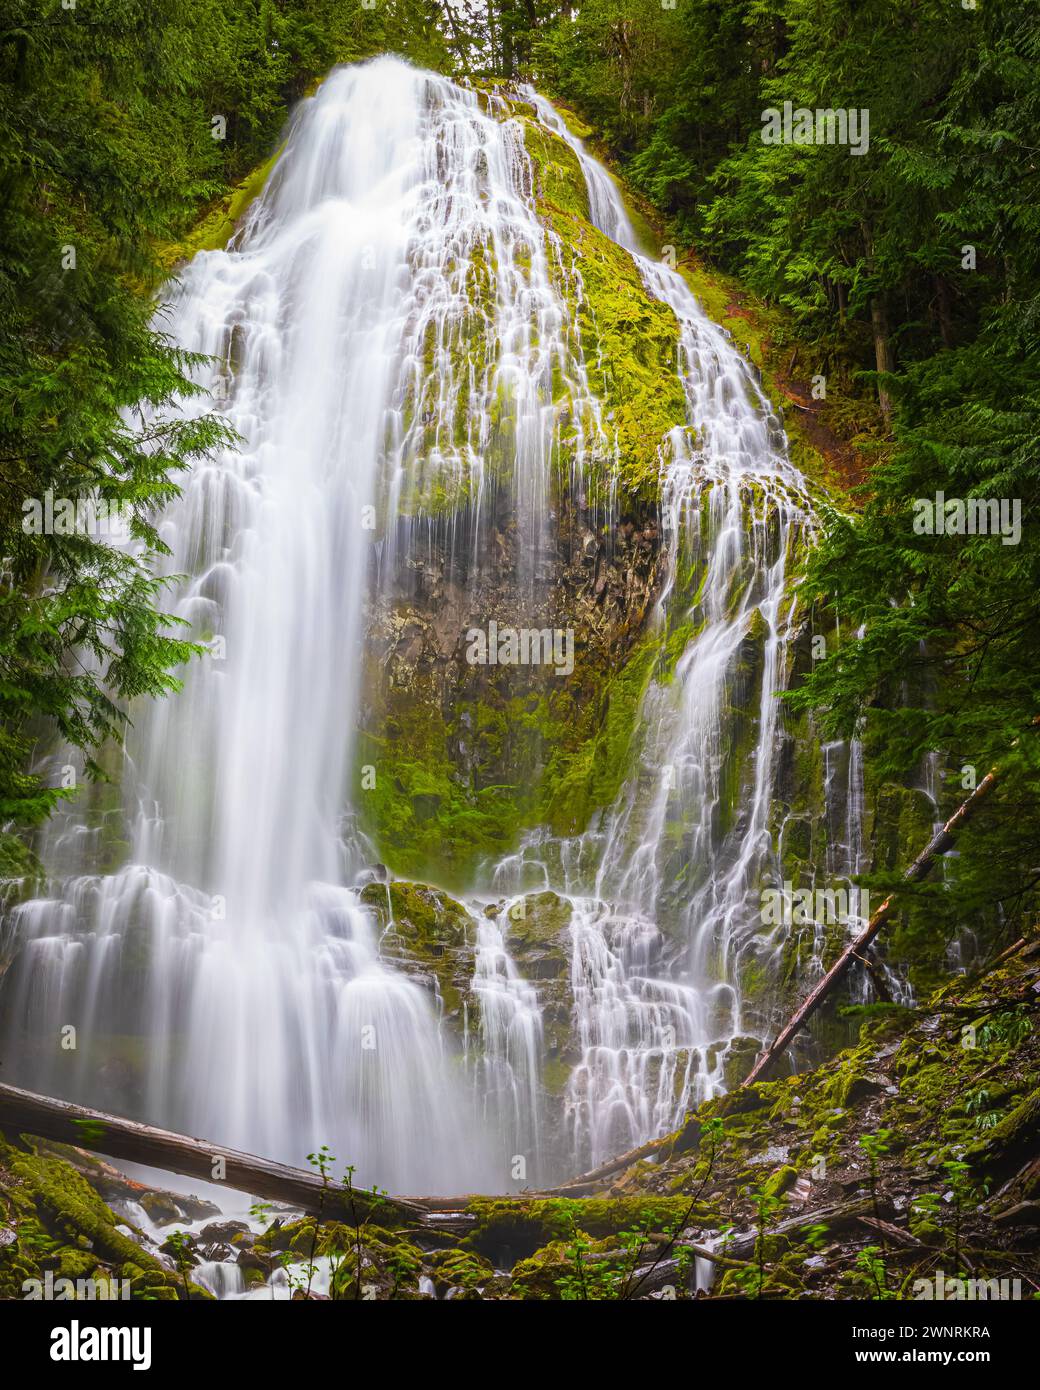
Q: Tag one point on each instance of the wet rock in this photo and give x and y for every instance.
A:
(258, 1260)
(537, 934)
(231, 1232)
(181, 1248)
(162, 1208)
(430, 936)
(738, 1060)
(217, 1252)
(196, 1207)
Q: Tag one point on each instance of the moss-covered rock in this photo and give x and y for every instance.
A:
(61, 1222)
(430, 936)
(217, 226)
(458, 1270)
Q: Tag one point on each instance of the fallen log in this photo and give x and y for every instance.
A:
(23, 1112)
(577, 1187)
(939, 844)
(838, 1217)
(1012, 950)
(701, 1251)
(895, 1234)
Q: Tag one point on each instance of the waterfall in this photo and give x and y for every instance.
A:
(388, 337)
(733, 508)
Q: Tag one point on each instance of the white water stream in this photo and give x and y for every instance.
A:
(391, 288)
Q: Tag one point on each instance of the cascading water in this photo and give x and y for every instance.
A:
(271, 1022)
(733, 507)
(388, 322)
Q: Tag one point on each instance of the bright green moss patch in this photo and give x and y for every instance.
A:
(60, 1222)
(631, 352)
(558, 177)
(216, 228)
(580, 780)
(431, 930)
(523, 1226)
(551, 756)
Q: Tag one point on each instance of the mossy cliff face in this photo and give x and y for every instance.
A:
(461, 756)
(429, 936)
(456, 759)
(536, 930)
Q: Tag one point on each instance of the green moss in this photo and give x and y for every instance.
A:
(537, 926)
(458, 1269)
(550, 756)
(1013, 1135)
(555, 1075)
(631, 348)
(216, 227)
(429, 929)
(334, 1238)
(559, 182)
(523, 1226)
(578, 781)
(57, 1214)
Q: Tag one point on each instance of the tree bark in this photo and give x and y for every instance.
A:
(943, 310)
(882, 352)
(23, 1112)
(939, 844)
(878, 324)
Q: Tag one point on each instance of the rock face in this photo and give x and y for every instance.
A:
(463, 756)
(538, 937)
(433, 939)
(429, 936)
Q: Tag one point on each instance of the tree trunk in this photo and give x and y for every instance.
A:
(939, 844)
(22, 1112)
(457, 40)
(882, 351)
(878, 323)
(943, 309)
(505, 29)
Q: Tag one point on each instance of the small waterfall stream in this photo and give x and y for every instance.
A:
(733, 506)
(387, 324)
